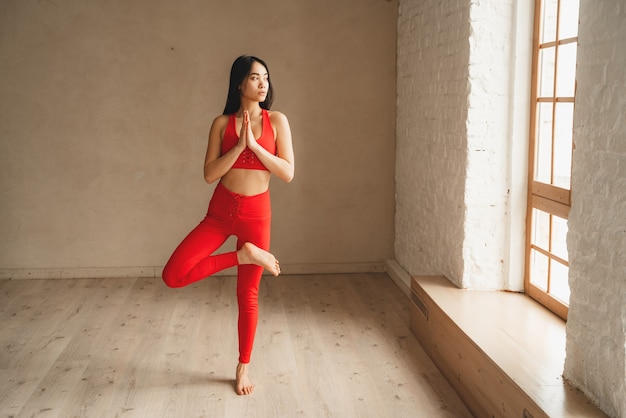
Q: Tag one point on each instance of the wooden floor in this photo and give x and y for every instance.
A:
(327, 346)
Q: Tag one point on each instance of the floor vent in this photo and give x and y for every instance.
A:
(421, 306)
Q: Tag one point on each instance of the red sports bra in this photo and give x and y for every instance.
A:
(248, 159)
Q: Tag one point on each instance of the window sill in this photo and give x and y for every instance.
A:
(503, 352)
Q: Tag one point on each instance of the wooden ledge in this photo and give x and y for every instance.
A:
(502, 351)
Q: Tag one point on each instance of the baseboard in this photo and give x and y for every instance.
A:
(79, 273)
(399, 276)
(332, 268)
(155, 271)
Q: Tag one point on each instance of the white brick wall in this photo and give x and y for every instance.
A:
(461, 136)
(487, 189)
(596, 327)
(431, 146)
(456, 142)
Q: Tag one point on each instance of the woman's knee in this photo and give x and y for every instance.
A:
(170, 279)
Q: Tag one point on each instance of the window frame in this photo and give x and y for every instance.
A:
(545, 197)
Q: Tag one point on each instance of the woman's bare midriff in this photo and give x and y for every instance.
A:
(246, 182)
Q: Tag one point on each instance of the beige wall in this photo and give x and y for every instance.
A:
(105, 108)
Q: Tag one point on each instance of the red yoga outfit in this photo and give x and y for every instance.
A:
(246, 217)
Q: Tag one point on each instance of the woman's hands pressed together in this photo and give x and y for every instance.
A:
(246, 137)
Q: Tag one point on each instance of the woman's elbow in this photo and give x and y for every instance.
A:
(209, 178)
(210, 174)
(288, 176)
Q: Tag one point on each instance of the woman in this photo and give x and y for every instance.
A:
(247, 144)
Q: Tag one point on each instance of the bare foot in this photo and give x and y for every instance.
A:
(251, 254)
(243, 384)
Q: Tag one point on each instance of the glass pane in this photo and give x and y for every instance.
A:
(559, 286)
(566, 70)
(539, 269)
(541, 229)
(563, 128)
(559, 236)
(546, 72)
(543, 156)
(568, 19)
(548, 21)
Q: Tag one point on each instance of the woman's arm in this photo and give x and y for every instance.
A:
(282, 164)
(215, 164)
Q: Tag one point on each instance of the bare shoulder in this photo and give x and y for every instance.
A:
(220, 121)
(278, 119)
(218, 127)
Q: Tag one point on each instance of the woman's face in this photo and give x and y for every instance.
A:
(255, 86)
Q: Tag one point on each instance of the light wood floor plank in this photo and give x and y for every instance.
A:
(326, 346)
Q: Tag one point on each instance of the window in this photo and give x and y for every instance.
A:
(553, 88)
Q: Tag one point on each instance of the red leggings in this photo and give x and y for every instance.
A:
(248, 218)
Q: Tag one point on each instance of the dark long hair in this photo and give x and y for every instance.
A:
(239, 72)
